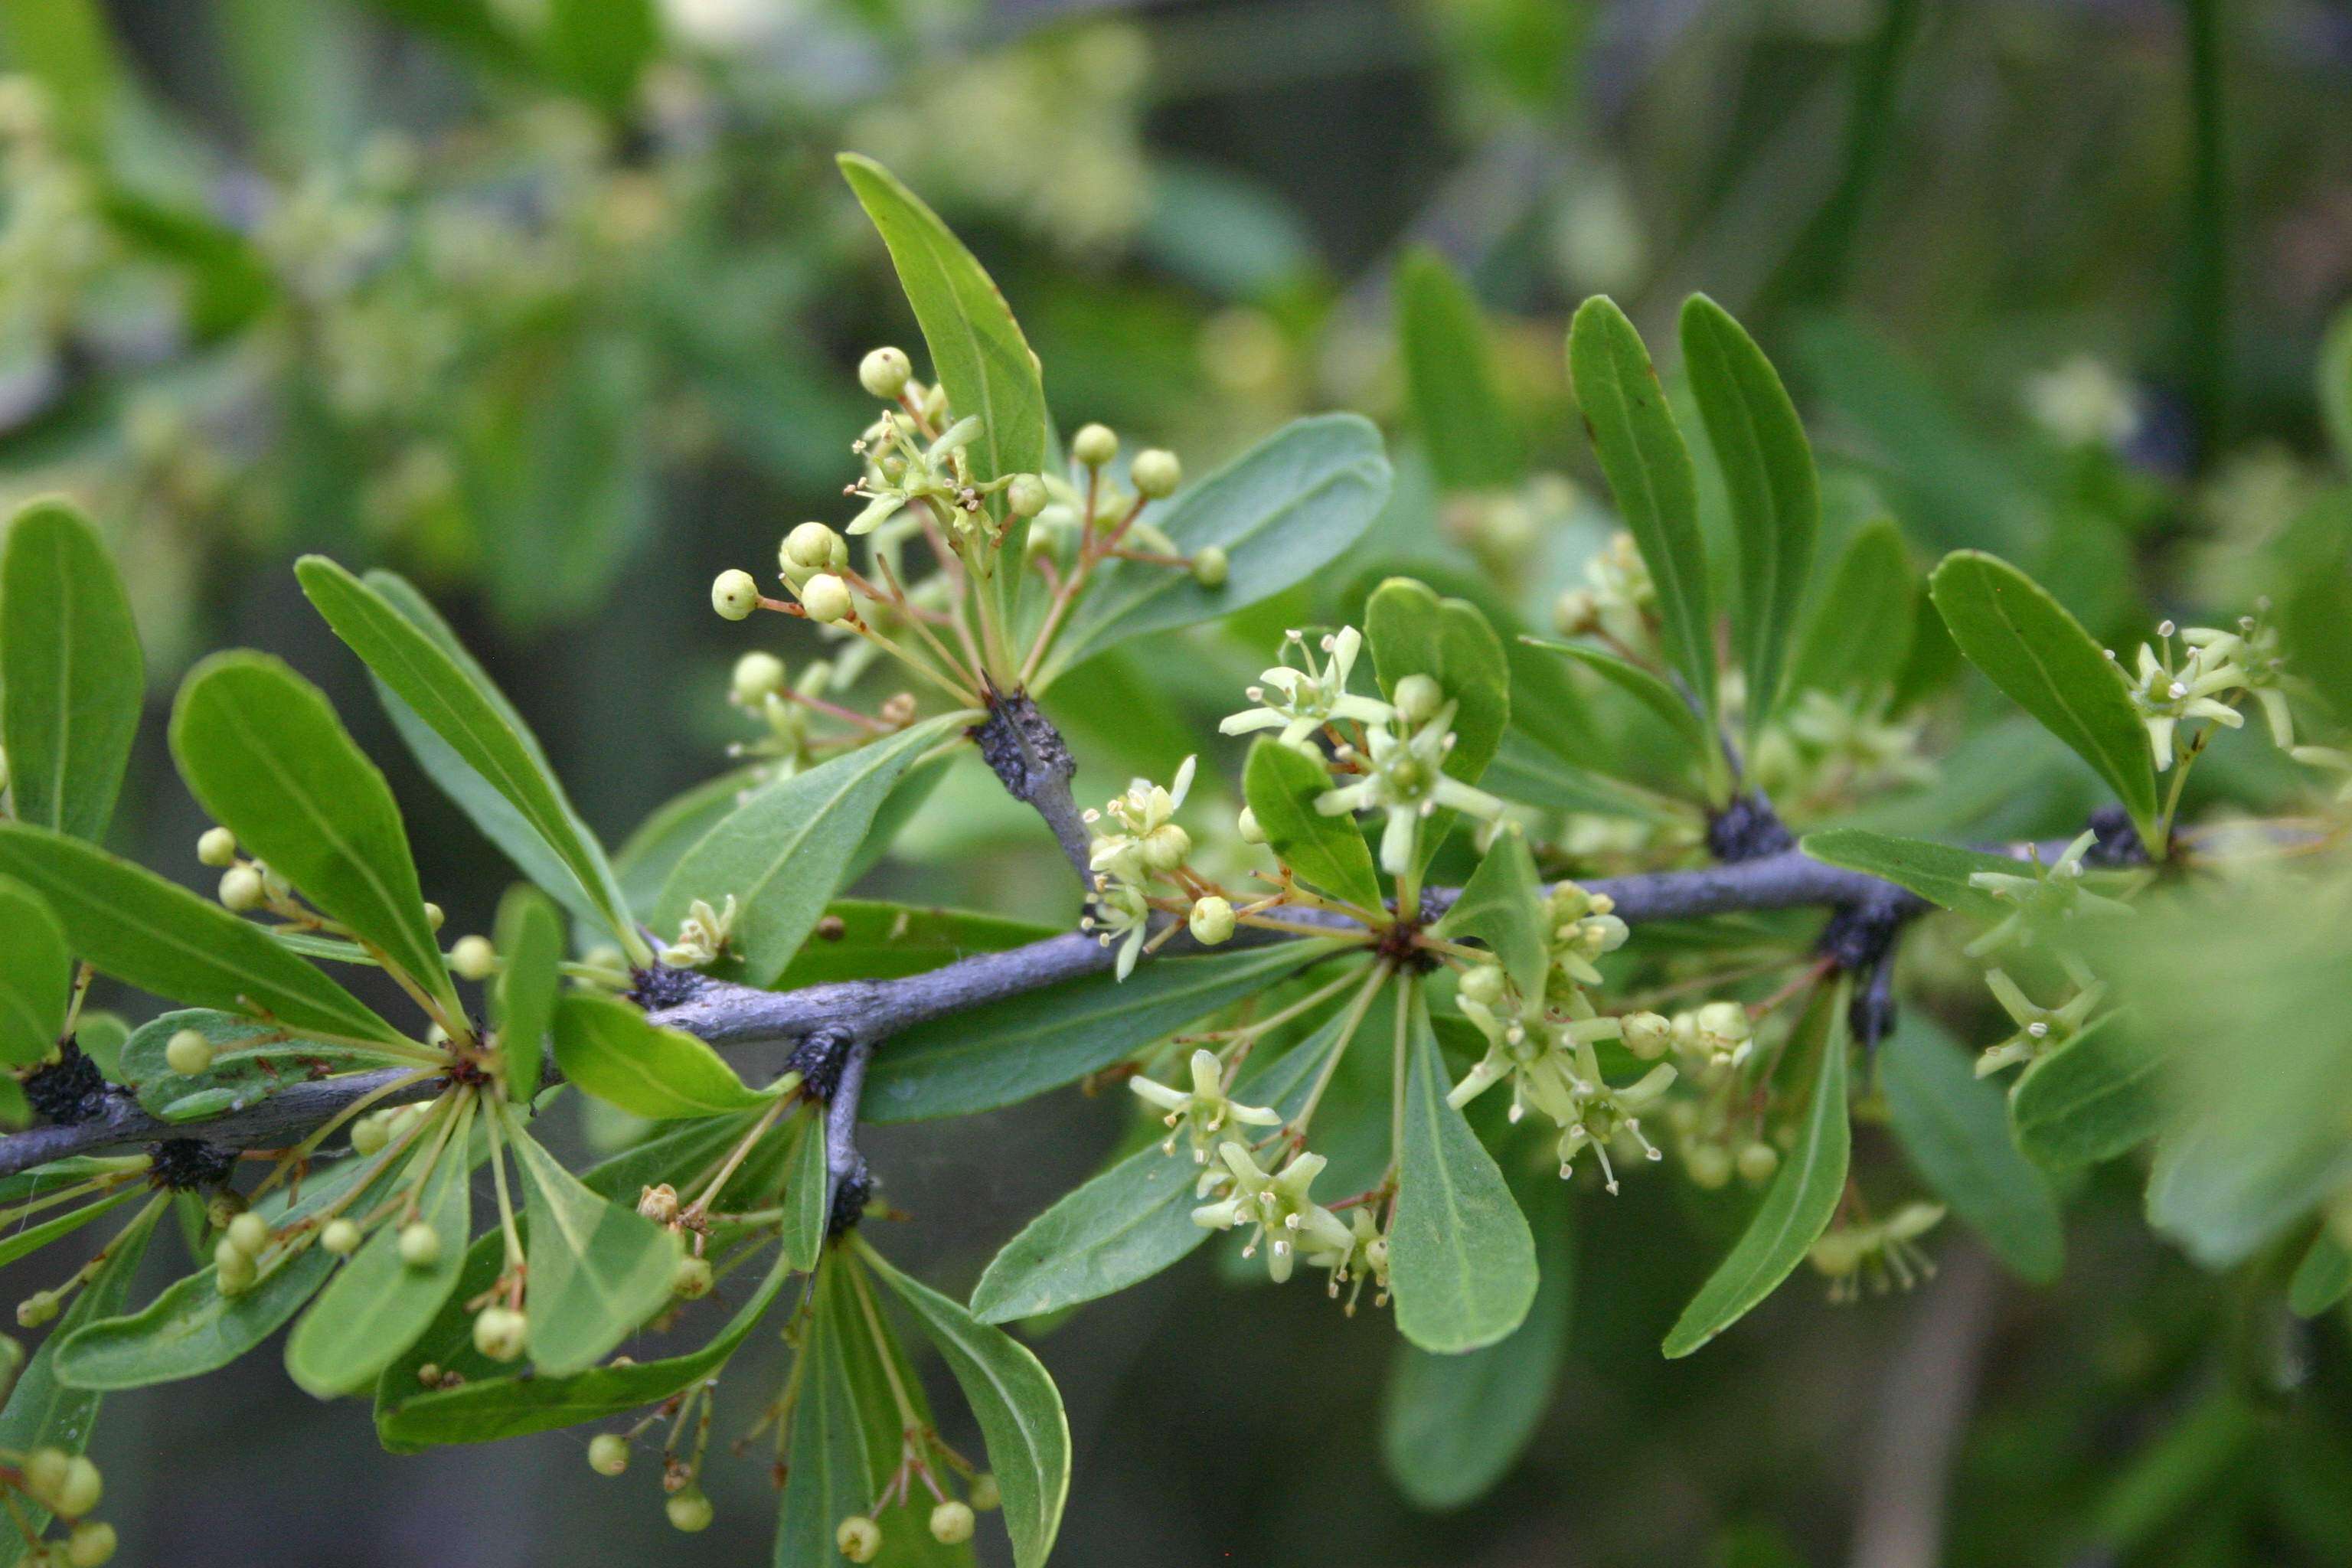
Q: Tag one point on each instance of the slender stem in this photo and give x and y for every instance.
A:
(1297, 1124)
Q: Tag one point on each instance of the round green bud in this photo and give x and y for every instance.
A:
(436, 917)
(825, 598)
(369, 1135)
(1210, 566)
(341, 1237)
(499, 1333)
(44, 1472)
(1248, 827)
(1165, 847)
(1838, 1252)
(420, 1248)
(218, 847)
(1212, 920)
(79, 1491)
(1094, 445)
(221, 1207)
(240, 888)
(813, 547)
(1156, 473)
(34, 1311)
(473, 958)
(1757, 1163)
(693, 1279)
(1708, 1166)
(1647, 1034)
(608, 1454)
(1417, 698)
(1483, 984)
(689, 1510)
(1026, 496)
(884, 371)
(859, 1538)
(951, 1522)
(985, 1494)
(232, 1267)
(248, 1233)
(188, 1053)
(91, 1543)
(734, 593)
(758, 676)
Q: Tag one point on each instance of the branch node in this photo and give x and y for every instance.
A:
(2116, 841)
(1031, 759)
(184, 1164)
(1746, 828)
(69, 1090)
(659, 986)
(819, 1059)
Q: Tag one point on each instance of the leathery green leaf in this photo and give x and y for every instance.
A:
(1859, 634)
(36, 973)
(528, 938)
(1462, 1262)
(1327, 852)
(605, 1047)
(597, 1269)
(72, 675)
(1502, 905)
(1470, 434)
(1797, 1207)
(1954, 1127)
(250, 1062)
(2092, 1099)
(1017, 1405)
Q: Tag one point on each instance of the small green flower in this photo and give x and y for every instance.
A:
(1208, 1115)
(1300, 701)
(2166, 694)
(702, 935)
(2053, 893)
(1882, 1255)
(1148, 840)
(1120, 915)
(1366, 1257)
(1405, 776)
(2040, 1029)
(1276, 1205)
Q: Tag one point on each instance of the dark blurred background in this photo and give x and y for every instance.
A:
(563, 327)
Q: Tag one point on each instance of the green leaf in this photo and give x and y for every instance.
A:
(977, 350)
(36, 973)
(529, 942)
(879, 940)
(847, 1438)
(808, 1196)
(1122, 1226)
(1327, 852)
(485, 743)
(18, 1244)
(597, 1269)
(163, 939)
(1797, 1207)
(1663, 701)
(2336, 384)
(1281, 511)
(1768, 472)
(1411, 631)
(605, 1047)
(1649, 470)
(1016, 1404)
(263, 752)
(377, 1306)
(2094, 1098)
(1003, 1052)
(2042, 659)
(71, 678)
(191, 1328)
(1462, 1262)
(1470, 434)
(2323, 1278)
(43, 1411)
(1453, 1425)
(1859, 635)
(1954, 1128)
(250, 1062)
(491, 1409)
(1503, 906)
(1938, 873)
(782, 854)
(600, 48)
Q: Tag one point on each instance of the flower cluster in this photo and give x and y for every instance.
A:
(2052, 896)
(1299, 700)
(1882, 1255)
(1147, 844)
(1618, 598)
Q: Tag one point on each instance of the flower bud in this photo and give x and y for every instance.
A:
(1708, 1166)
(1212, 920)
(1155, 473)
(813, 547)
(692, 1281)
(757, 677)
(734, 593)
(34, 1311)
(1094, 445)
(222, 1206)
(420, 1248)
(341, 1237)
(1757, 1163)
(1209, 566)
(1647, 1034)
(859, 1538)
(688, 1511)
(825, 598)
(436, 917)
(44, 1472)
(369, 1135)
(218, 847)
(248, 1233)
(188, 1053)
(608, 1454)
(90, 1544)
(884, 371)
(79, 1490)
(985, 1494)
(499, 1333)
(240, 888)
(951, 1522)
(1165, 847)
(473, 958)
(658, 1203)
(1026, 496)
(233, 1269)
(1247, 825)
(1483, 984)
(1577, 612)
(1417, 698)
